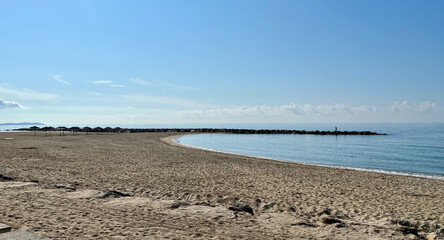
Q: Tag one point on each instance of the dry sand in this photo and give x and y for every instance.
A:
(181, 193)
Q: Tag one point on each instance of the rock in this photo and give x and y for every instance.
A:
(114, 194)
(242, 207)
(330, 220)
(67, 187)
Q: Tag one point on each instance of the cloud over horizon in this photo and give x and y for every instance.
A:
(291, 111)
(405, 106)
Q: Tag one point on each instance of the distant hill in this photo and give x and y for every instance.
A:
(22, 123)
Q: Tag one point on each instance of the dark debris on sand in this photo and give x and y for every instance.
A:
(114, 194)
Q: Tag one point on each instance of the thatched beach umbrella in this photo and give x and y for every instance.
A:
(62, 130)
(48, 130)
(108, 129)
(98, 129)
(74, 130)
(86, 129)
(35, 129)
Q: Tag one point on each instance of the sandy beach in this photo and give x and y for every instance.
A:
(145, 186)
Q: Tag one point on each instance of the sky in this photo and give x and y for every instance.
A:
(174, 62)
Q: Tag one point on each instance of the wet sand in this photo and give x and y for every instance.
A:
(62, 188)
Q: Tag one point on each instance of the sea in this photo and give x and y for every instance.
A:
(415, 149)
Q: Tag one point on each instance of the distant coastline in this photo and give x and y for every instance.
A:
(22, 123)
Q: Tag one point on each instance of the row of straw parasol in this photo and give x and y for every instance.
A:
(75, 130)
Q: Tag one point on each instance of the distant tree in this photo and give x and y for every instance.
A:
(117, 129)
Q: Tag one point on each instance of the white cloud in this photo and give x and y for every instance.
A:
(318, 113)
(59, 79)
(102, 82)
(140, 81)
(9, 104)
(116, 85)
(167, 100)
(27, 94)
(405, 106)
(108, 83)
(279, 111)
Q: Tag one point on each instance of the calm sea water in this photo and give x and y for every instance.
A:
(414, 148)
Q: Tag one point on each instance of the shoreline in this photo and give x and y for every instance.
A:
(173, 141)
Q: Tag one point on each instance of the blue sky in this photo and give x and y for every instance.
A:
(145, 62)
